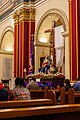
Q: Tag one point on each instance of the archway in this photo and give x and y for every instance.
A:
(7, 53)
(46, 23)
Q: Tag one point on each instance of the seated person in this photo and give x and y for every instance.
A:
(3, 93)
(76, 85)
(6, 87)
(32, 85)
(45, 84)
(20, 92)
(67, 84)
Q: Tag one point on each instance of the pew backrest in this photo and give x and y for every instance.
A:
(73, 96)
(66, 112)
(38, 94)
(25, 103)
(63, 96)
(70, 97)
(43, 94)
(38, 98)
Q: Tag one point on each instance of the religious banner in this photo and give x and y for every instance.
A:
(59, 46)
(31, 65)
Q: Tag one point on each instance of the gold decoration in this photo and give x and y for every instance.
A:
(15, 17)
(31, 14)
(23, 14)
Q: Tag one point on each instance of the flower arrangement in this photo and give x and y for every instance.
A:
(47, 76)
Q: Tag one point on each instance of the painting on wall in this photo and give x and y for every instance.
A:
(7, 68)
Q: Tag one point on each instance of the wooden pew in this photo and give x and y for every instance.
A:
(38, 98)
(43, 94)
(69, 97)
(63, 96)
(38, 94)
(73, 96)
(58, 112)
(56, 94)
(25, 103)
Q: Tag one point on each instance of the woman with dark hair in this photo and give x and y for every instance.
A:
(20, 92)
(67, 84)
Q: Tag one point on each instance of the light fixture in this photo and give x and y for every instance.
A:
(43, 40)
(8, 49)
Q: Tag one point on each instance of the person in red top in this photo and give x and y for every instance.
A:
(3, 93)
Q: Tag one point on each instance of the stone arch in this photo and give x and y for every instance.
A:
(7, 29)
(7, 55)
(57, 12)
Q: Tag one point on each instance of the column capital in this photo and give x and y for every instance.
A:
(23, 14)
(31, 14)
(15, 17)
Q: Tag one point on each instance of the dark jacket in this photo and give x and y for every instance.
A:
(3, 94)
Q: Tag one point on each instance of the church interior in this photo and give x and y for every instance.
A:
(26, 38)
(40, 39)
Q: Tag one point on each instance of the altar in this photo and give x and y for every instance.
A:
(52, 79)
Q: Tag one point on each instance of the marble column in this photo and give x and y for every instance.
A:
(26, 29)
(73, 39)
(16, 43)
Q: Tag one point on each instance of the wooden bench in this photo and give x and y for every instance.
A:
(63, 96)
(38, 98)
(58, 112)
(56, 94)
(69, 97)
(25, 103)
(43, 94)
(73, 96)
(38, 94)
